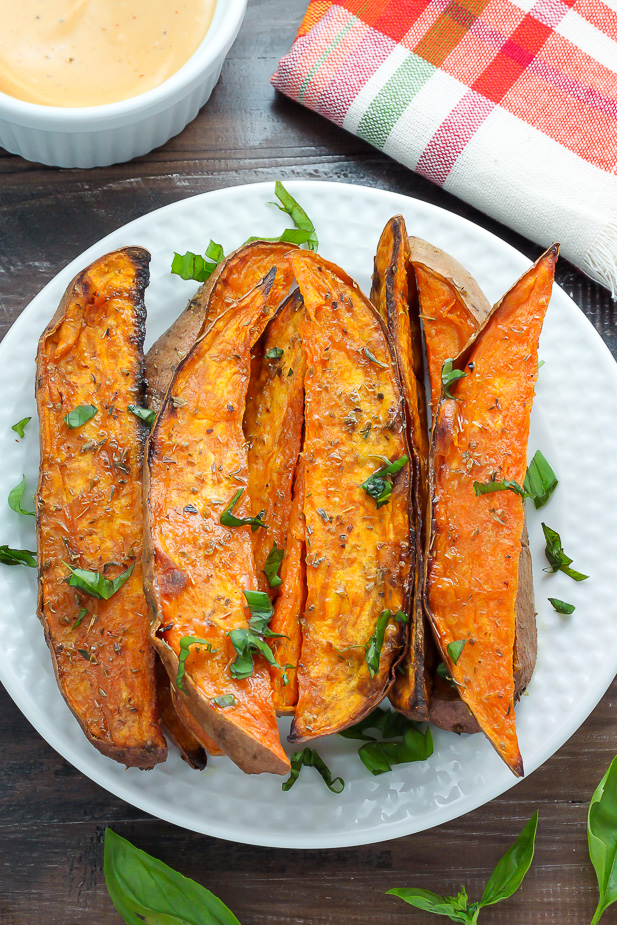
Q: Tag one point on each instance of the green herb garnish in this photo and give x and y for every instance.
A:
(194, 266)
(274, 353)
(80, 416)
(272, 566)
(398, 740)
(485, 488)
(249, 642)
(371, 356)
(15, 496)
(82, 614)
(374, 646)
(145, 890)
(454, 649)
(226, 700)
(95, 584)
(20, 427)
(449, 376)
(561, 606)
(503, 882)
(10, 556)
(540, 481)
(379, 485)
(230, 520)
(185, 646)
(309, 758)
(147, 415)
(303, 233)
(558, 560)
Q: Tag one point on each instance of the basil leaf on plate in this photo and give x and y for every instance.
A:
(303, 233)
(449, 376)
(380, 757)
(309, 758)
(95, 584)
(147, 415)
(272, 566)
(15, 496)
(556, 557)
(561, 606)
(10, 556)
(194, 266)
(540, 480)
(20, 427)
(145, 890)
(80, 416)
(602, 839)
(185, 646)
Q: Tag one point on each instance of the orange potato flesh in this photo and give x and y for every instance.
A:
(289, 604)
(398, 306)
(89, 507)
(474, 558)
(357, 556)
(197, 568)
(232, 279)
(448, 323)
(273, 425)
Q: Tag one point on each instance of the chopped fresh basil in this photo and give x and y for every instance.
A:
(274, 353)
(304, 232)
(147, 415)
(82, 614)
(194, 266)
(398, 740)
(10, 556)
(248, 642)
(272, 566)
(558, 560)
(485, 488)
(371, 356)
(95, 584)
(80, 416)
(561, 606)
(379, 485)
(374, 646)
(386, 723)
(15, 496)
(261, 610)
(309, 758)
(401, 617)
(185, 645)
(454, 649)
(88, 657)
(442, 671)
(20, 427)
(540, 481)
(449, 376)
(230, 520)
(226, 700)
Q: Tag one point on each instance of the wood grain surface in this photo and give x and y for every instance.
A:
(52, 818)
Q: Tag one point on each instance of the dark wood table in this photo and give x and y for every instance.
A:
(52, 818)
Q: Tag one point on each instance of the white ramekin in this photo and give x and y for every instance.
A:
(95, 136)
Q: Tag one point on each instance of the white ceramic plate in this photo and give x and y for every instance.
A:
(574, 423)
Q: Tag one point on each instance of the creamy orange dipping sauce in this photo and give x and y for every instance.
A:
(90, 52)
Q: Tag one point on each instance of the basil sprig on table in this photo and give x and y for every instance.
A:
(145, 890)
(20, 427)
(503, 882)
(556, 557)
(147, 415)
(304, 231)
(449, 376)
(185, 645)
(273, 564)
(194, 266)
(15, 496)
(310, 758)
(80, 416)
(95, 584)
(228, 519)
(10, 556)
(379, 484)
(390, 739)
(602, 839)
(251, 641)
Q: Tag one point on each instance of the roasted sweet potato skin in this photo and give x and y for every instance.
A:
(189, 746)
(195, 567)
(394, 295)
(240, 272)
(179, 705)
(273, 425)
(475, 546)
(358, 556)
(89, 507)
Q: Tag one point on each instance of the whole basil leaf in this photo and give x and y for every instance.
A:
(10, 556)
(15, 496)
(602, 839)
(510, 870)
(80, 416)
(145, 890)
(95, 584)
(452, 907)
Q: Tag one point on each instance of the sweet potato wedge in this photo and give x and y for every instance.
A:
(179, 705)
(232, 279)
(89, 370)
(273, 424)
(452, 305)
(394, 295)
(358, 549)
(473, 558)
(189, 746)
(195, 568)
(289, 605)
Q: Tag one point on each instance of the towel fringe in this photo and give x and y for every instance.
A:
(600, 261)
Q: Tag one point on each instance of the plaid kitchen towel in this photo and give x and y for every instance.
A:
(509, 104)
